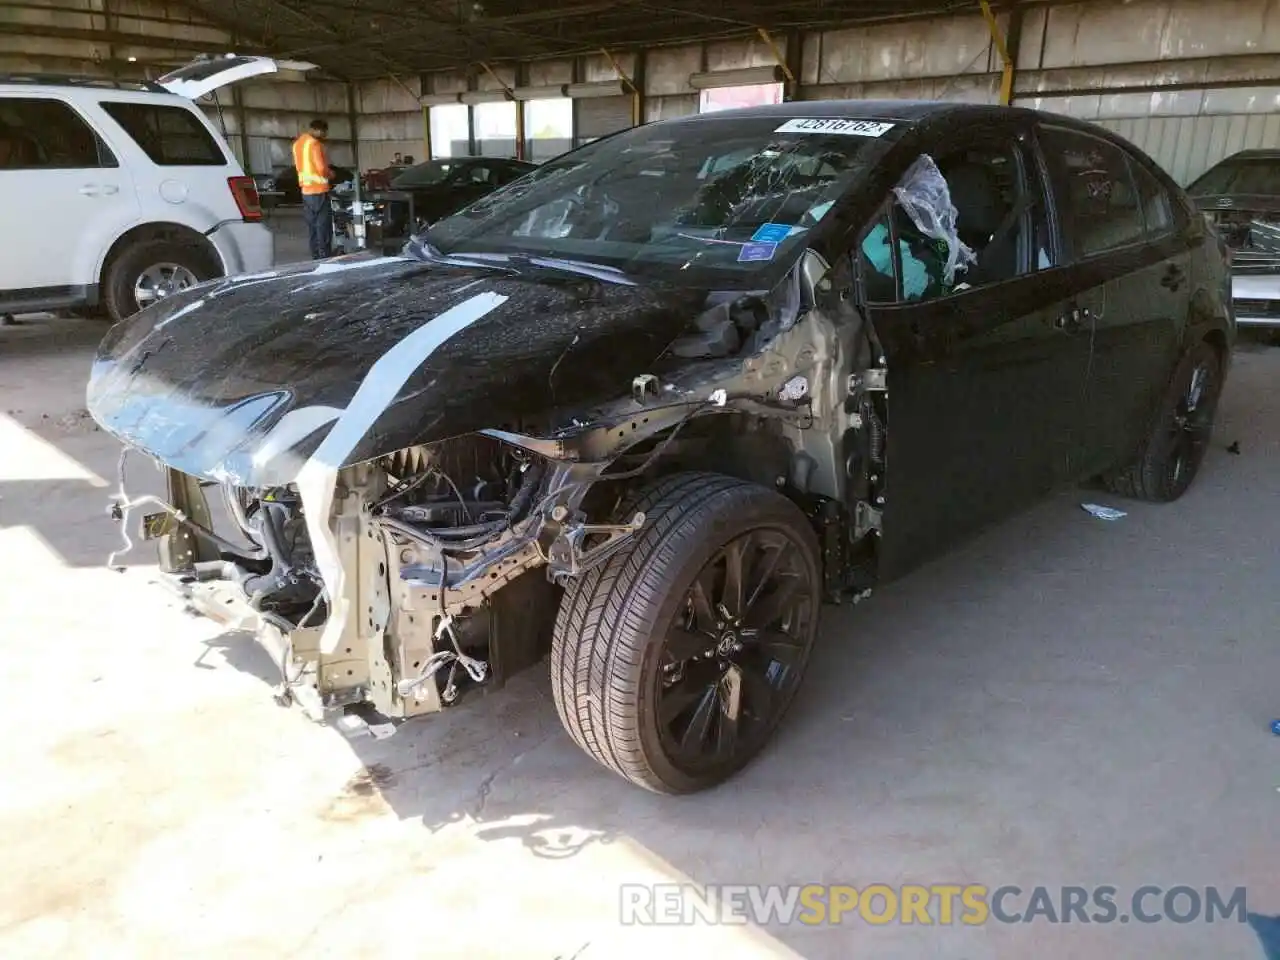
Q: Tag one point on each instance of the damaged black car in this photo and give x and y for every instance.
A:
(643, 412)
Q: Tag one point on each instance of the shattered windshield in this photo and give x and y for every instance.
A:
(1257, 176)
(716, 200)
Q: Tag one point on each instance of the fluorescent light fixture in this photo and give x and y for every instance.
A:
(602, 88)
(737, 78)
(473, 97)
(440, 99)
(539, 93)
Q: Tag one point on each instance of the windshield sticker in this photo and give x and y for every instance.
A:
(756, 251)
(772, 233)
(841, 125)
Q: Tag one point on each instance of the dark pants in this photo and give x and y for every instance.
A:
(319, 217)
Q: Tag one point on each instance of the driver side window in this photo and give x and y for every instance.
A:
(971, 219)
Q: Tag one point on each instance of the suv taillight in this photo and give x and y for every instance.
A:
(245, 192)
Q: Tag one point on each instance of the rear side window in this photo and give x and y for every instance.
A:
(170, 136)
(37, 133)
(1097, 200)
(1157, 208)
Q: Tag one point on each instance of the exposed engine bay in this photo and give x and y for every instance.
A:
(453, 553)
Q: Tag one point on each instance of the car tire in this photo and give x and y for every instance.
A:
(1171, 456)
(126, 270)
(623, 680)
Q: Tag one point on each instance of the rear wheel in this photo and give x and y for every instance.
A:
(147, 272)
(1171, 456)
(673, 663)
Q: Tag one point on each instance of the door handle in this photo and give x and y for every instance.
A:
(110, 189)
(1173, 277)
(91, 190)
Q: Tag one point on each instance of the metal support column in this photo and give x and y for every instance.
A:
(357, 206)
(1007, 47)
(632, 84)
(511, 95)
(792, 84)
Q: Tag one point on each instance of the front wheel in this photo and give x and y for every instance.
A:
(673, 663)
(1171, 456)
(147, 272)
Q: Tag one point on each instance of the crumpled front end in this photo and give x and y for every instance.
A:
(390, 485)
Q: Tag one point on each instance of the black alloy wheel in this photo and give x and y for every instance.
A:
(1191, 427)
(734, 651)
(1170, 459)
(673, 662)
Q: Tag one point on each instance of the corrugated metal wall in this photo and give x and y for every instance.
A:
(274, 111)
(1188, 81)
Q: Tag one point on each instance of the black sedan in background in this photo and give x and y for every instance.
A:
(419, 196)
(439, 188)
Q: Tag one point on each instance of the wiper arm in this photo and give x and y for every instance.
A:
(515, 261)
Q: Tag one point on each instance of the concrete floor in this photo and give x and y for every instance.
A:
(1064, 701)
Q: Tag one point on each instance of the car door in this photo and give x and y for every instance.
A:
(986, 376)
(1133, 267)
(62, 182)
(182, 167)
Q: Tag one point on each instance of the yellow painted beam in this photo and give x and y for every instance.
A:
(636, 119)
(777, 54)
(1002, 47)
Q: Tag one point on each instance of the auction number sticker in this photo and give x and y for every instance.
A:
(839, 125)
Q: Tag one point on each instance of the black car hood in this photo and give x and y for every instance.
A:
(239, 380)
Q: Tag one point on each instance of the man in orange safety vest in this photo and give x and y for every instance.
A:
(313, 178)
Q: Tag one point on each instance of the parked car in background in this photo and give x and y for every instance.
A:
(439, 188)
(1241, 196)
(128, 192)
(648, 407)
(380, 178)
(284, 183)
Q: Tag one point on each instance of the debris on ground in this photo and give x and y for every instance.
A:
(1103, 513)
(1234, 448)
(1275, 727)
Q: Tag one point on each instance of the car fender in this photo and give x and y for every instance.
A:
(181, 219)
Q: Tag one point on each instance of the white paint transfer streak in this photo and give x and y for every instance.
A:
(292, 428)
(379, 388)
(181, 312)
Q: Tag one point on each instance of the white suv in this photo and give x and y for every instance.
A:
(123, 192)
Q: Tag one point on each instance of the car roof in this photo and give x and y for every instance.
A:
(906, 111)
(1262, 154)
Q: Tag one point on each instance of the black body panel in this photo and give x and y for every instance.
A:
(201, 379)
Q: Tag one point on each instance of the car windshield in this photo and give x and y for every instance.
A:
(1255, 175)
(717, 200)
(426, 174)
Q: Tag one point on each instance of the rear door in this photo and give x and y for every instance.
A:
(1134, 269)
(182, 167)
(62, 181)
(985, 376)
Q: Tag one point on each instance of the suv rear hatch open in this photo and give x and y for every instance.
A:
(207, 74)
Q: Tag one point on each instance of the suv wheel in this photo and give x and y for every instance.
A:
(1170, 458)
(673, 662)
(147, 272)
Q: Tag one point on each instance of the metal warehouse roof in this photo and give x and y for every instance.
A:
(356, 39)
